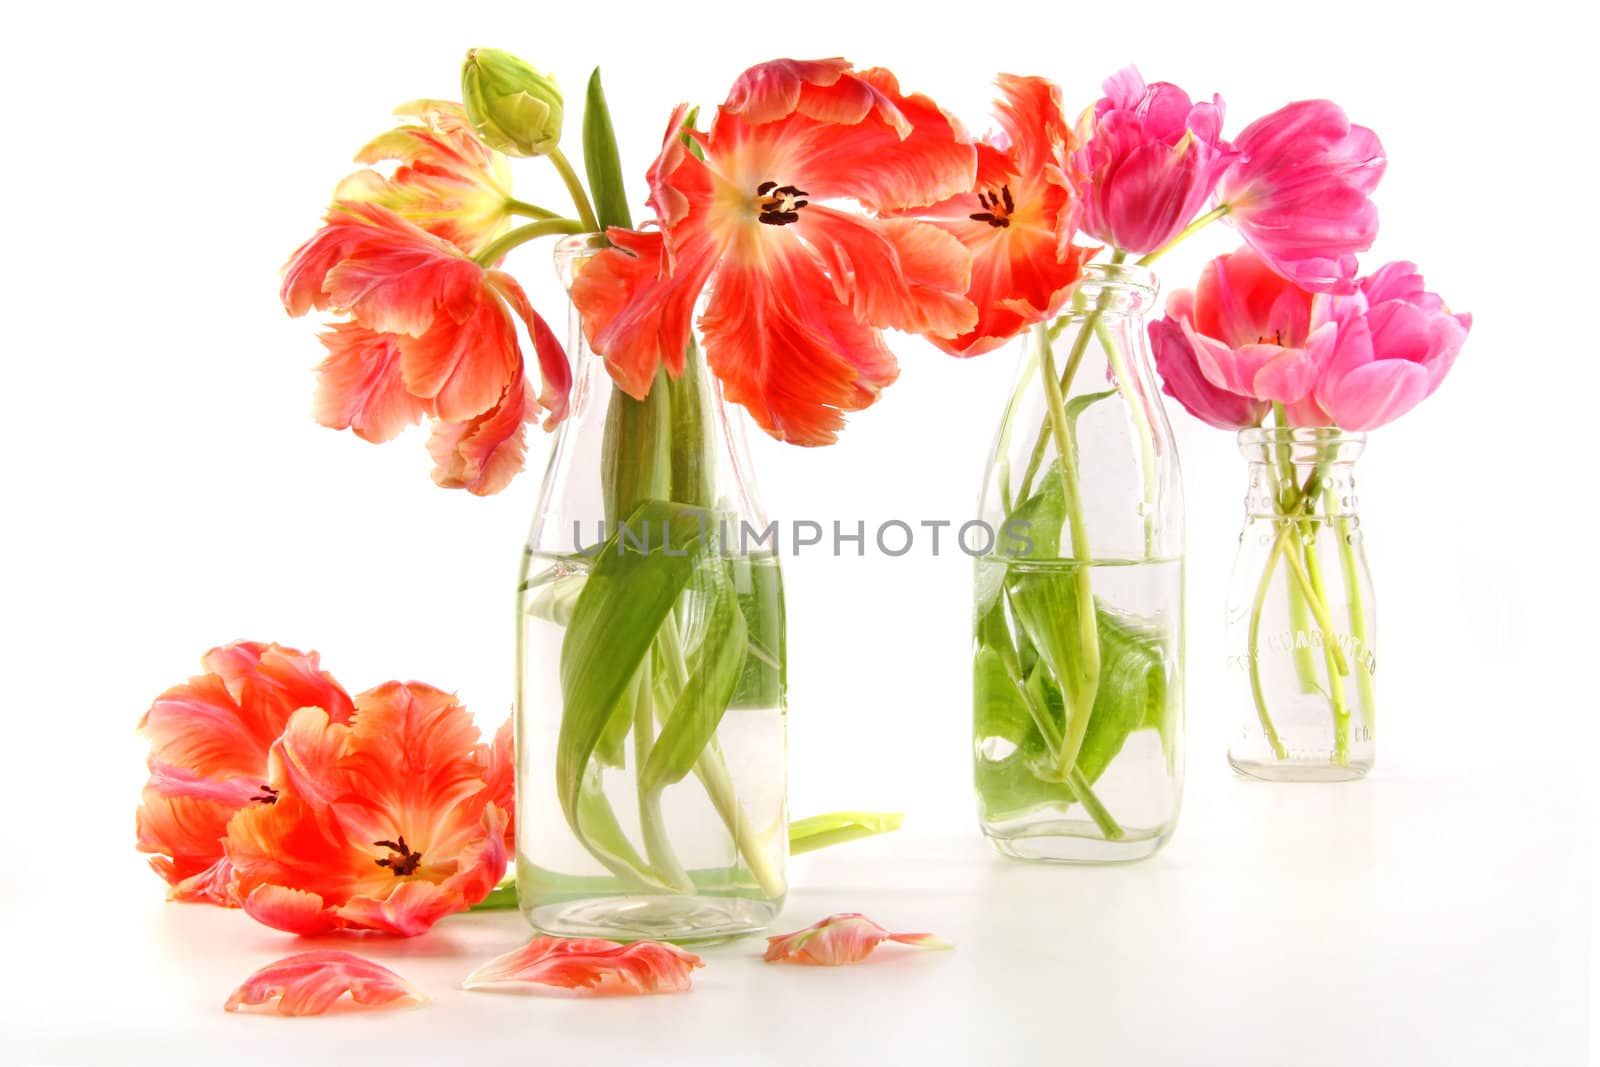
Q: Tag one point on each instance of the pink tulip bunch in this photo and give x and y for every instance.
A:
(1246, 338)
(1285, 321)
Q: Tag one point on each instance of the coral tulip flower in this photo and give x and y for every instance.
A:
(444, 179)
(1396, 343)
(1298, 192)
(590, 965)
(209, 744)
(1245, 331)
(1150, 159)
(310, 982)
(848, 937)
(387, 824)
(1018, 220)
(433, 333)
(798, 288)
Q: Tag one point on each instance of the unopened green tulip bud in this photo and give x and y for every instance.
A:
(513, 107)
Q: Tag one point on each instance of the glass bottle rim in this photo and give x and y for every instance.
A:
(1115, 289)
(572, 251)
(1300, 435)
(1128, 276)
(578, 244)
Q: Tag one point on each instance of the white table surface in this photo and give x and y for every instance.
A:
(1394, 921)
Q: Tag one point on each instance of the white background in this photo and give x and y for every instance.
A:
(168, 490)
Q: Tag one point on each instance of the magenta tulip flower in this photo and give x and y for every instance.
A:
(1396, 342)
(1240, 341)
(1298, 192)
(1150, 160)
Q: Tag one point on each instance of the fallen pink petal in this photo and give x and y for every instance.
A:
(309, 983)
(848, 937)
(590, 965)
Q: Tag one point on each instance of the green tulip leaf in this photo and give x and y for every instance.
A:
(600, 159)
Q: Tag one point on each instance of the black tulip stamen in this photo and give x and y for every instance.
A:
(404, 861)
(998, 208)
(268, 795)
(779, 205)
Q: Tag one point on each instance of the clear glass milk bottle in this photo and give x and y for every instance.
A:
(1078, 663)
(1301, 628)
(650, 703)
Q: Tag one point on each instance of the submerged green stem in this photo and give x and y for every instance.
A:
(1358, 620)
(1338, 665)
(1076, 785)
(652, 827)
(712, 772)
(1079, 692)
(1253, 652)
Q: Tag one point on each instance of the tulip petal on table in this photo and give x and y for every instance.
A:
(589, 965)
(310, 982)
(847, 937)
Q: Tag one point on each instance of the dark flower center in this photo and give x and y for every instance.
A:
(779, 205)
(403, 862)
(268, 795)
(997, 208)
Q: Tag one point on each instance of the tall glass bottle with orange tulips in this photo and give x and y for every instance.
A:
(651, 650)
(650, 761)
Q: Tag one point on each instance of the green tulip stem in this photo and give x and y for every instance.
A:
(653, 827)
(1220, 211)
(712, 771)
(1081, 691)
(580, 198)
(1254, 650)
(1134, 400)
(1358, 618)
(523, 234)
(527, 210)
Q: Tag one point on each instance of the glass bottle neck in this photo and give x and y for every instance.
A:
(1301, 471)
(1305, 492)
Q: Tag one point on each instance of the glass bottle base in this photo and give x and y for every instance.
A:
(684, 920)
(1071, 841)
(1273, 770)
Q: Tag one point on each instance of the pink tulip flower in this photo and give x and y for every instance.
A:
(1240, 341)
(1181, 378)
(1396, 342)
(1298, 192)
(1150, 160)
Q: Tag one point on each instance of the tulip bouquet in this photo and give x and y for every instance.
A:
(1301, 374)
(790, 219)
(818, 205)
(1078, 660)
(1283, 342)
